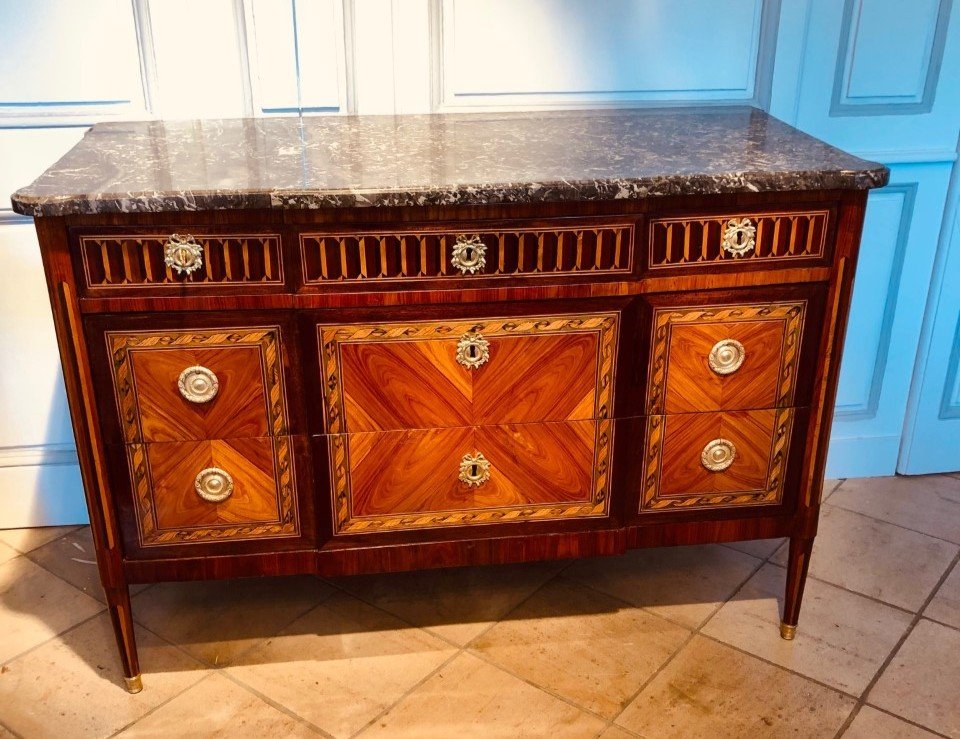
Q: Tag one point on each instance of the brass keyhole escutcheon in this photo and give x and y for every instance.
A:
(474, 469)
(739, 237)
(469, 254)
(183, 254)
(473, 350)
(726, 356)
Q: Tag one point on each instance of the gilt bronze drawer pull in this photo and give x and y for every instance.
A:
(198, 384)
(718, 454)
(473, 350)
(183, 254)
(214, 485)
(469, 254)
(474, 469)
(726, 356)
(739, 237)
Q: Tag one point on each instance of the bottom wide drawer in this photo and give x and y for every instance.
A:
(423, 478)
(213, 490)
(699, 460)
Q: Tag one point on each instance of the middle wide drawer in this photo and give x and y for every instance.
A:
(440, 423)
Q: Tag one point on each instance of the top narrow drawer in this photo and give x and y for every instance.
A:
(733, 238)
(468, 252)
(179, 258)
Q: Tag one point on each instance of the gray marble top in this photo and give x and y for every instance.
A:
(475, 158)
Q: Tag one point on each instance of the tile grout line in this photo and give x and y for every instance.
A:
(13, 733)
(892, 523)
(461, 649)
(873, 598)
(901, 718)
(160, 705)
(693, 634)
(287, 711)
(257, 643)
(72, 527)
(862, 699)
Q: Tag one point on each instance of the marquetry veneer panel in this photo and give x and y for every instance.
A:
(137, 261)
(691, 241)
(246, 362)
(593, 248)
(169, 510)
(681, 378)
(400, 480)
(676, 478)
(406, 375)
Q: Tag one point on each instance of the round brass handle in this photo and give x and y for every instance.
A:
(726, 356)
(469, 254)
(183, 254)
(473, 350)
(214, 485)
(718, 454)
(474, 469)
(739, 237)
(198, 384)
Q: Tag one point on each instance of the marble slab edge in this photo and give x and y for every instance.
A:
(487, 194)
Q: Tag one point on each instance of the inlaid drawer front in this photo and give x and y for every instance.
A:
(437, 374)
(414, 479)
(716, 460)
(201, 384)
(214, 490)
(724, 357)
(594, 248)
(174, 260)
(737, 237)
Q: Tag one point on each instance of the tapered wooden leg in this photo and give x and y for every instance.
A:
(118, 600)
(797, 566)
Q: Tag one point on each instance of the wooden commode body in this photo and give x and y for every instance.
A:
(624, 333)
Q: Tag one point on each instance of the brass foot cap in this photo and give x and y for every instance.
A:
(787, 631)
(133, 684)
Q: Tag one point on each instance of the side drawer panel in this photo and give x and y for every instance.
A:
(716, 460)
(214, 490)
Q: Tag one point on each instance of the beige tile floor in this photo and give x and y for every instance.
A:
(658, 643)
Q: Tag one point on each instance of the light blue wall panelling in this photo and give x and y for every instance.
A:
(871, 76)
(889, 60)
(931, 440)
(893, 275)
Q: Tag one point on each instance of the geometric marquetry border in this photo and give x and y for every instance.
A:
(332, 337)
(121, 344)
(790, 314)
(771, 493)
(151, 534)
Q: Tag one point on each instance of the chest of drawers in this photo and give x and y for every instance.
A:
(471, 350)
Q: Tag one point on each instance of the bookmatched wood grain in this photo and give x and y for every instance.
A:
(246, 360)
(410, 478)
(238, 409)
(691, 385)
(676, 476)
(680, 378)
(170, 510)
(406, 375)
